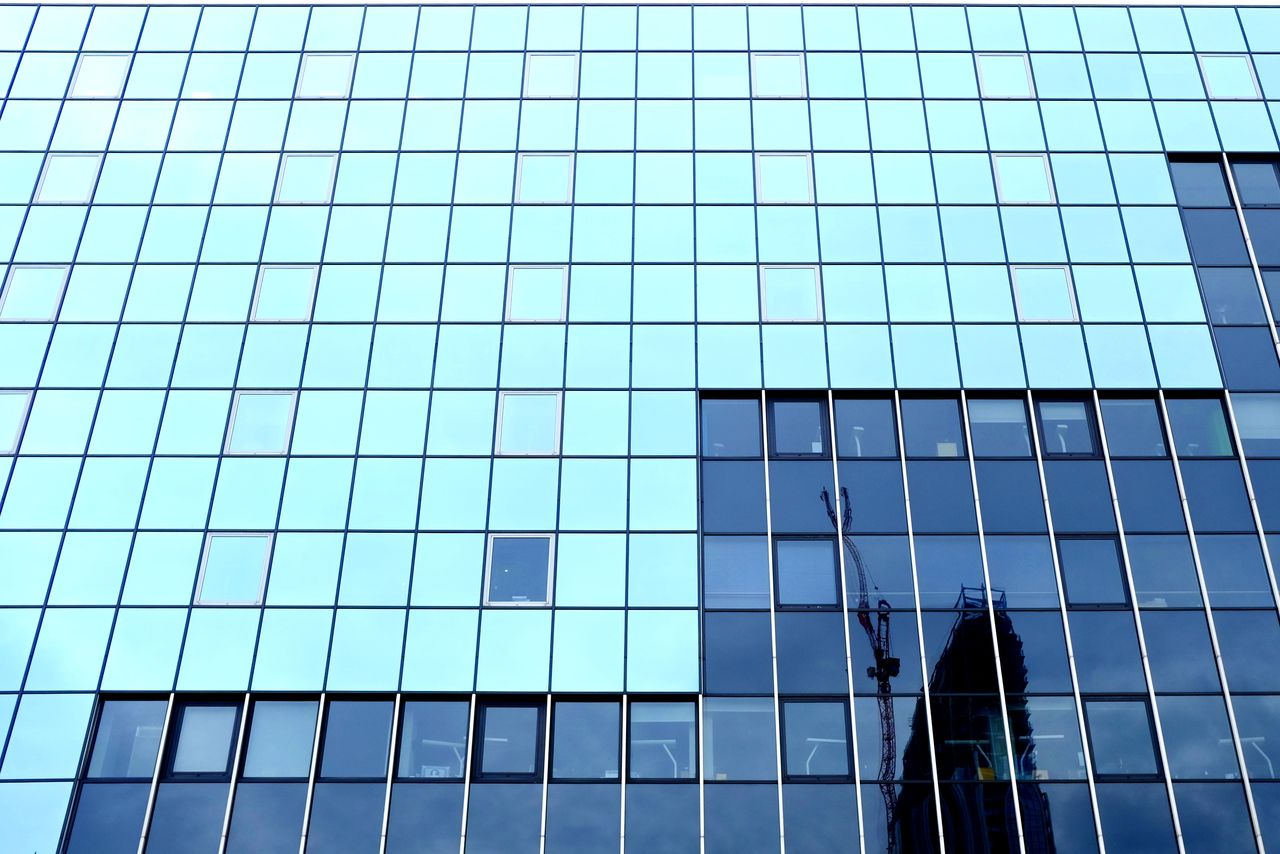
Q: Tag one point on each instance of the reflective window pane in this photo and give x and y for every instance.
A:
(738, 741)
(433, 740)
(204, 738)
(807, 572)
(357, 737)
(1066, 428)
(1121, 737)
(1199, 427)
(127, 739)
(1133, 428)
(585, 741)
(1091, 572)
(865, 428)
(730, 428)
(797, 427)
(999, 428)
(1200, 184)
(662, 741)
(519, 570)
(931, 427)
(1258, 418)
(735, 572)
(511, 739)
(815, 739)
(281, 733)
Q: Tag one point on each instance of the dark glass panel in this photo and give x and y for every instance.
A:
(1179, 651)
(1248, 358)
(425, 819)
(504, 817)
(737, 654)
(511, 739)
(799, 490)
(1135, 818)
(1258, 719)
(865, 428)
(127, 739)
(980, 813)
(735, 572)
(1234, 572)
(1164, 571)
(267, 818)
(663, 818)
(742, 818)
(931, 427)
(1241, 634)
(798, 428)
(968, 734)
(586, 740)
(820, 819)
(1121, 737)
(900, 818)
(357, 737)
(1257, 183)
(1266, 798)
(1148, 494)
(738, 739)
(1091, 571)
(346, 818)
(518, 569)
(810, 650)
(1067, 428)
(870, 717)
(1063, 813)
(1213, 817)
(958, 652)
(999, 427)
(1215, 238)
(205, 734)
(873, 493)
(1033, 651)
(902, 667)
(1199, 427)
(1079, 496)
(433, 739)
(886, 565)
(731, 428)
(1199, 184)
(1216, 496)
(1265, 475)
(1105, 644)
(188, 818)
(1021, 570)
(1258, 418)
(1271, 283)
(947, 567)
(815, 738)
(1046, 738)
(1231, 294)
(1264, 231)
(807, 572)
(941, 497)
(1197, 738)
(108, 818)
(1011, 498)
(281, 737)
(583, 818)
(1133, 428)
(733, 498)
(663, 743)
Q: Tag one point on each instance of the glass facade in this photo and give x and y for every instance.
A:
(665, 428)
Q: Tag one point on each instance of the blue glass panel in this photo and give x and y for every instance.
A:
(874, 495)
(585, 741)
(108, 818)
(1021, 569)
(1240, 635)
(904, 646)
(1248, 358)
(1135, 818)
(357, 736)
(735, 572)
(187, 817)
(1216, 496)
(742, 818)
(819, 818)
(1234, 572)
(1033, 651)
(504, 817)
(1063, 813)
(886, 567)
(1179, 652)
(810, 650)
(1164, 573)
(583, 819)
(1199, 184)
(1214, 817)
(941, 497)
(1148, 496)
(1010, 495)
(796, 489)
(424, 819)
(663, 818)
(346, 817)
(1079, 496)
(865, 428)
(946, 565)
(737, 654)
(1106, 651)
(267, 818)
(733, 497)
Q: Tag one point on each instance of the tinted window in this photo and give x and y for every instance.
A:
(518, 570)
(865, 428)
(1248, 358)
(730, 428)
(1121, 736)
(585, 741)
(1011, 498)
(738, 742)
(815, 739)
(1215, 237)
(281, 733)
(811, 657)
(999, 428)
(510, 740)
(1258, 418)
(735, 572)
(127, 739)
(945, 566)
(1231, 295)
(1164, 572)
(798, 427)
(357, 737)
(874, 497)
(1234, 572)
(1199, 184)
(662, 741)
(1179, 651)
(204, 738)
(733, 497)
(1091, 572)
(1022, 569)
(1256, 183)
(807, 573)
(931, 427)
(1067, 428)
(1106, 652)
(433, 739)
(737, 654)
(941, 496)
(1199, 427)
(1133, 428)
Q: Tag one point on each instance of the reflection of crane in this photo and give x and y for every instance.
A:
(885, 668)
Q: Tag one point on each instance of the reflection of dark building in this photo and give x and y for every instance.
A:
(972, 755)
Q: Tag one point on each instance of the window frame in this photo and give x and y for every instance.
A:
(284, 166)
(866, 395)
(302, 76)
(528, 75)
(1090, 417)
(1015, 269)
(21, 424)
(1114, 539)
(511, 290)
(760, 199)
(550, 537)
(695, 774)
(322, 727)
(538, 703)
(1208, 87)
(519, 187)
(1148, 397)
(764, 293)
(779, 605)
(95, 733)
(583, 699)
(197, 599)
(804, 76)
(1026, 65)
(6, 289)
(503, 394)
(235, 410)
(771, 448)
(1172, 442)
(783, 751)
(1026, 155)
(167, 774)
(257, 293)
(50, 157)
(963, 451)
(247, 732)
(75, 76)
(967, 412)
(702, 431)
(1145, 701)
(397, 746)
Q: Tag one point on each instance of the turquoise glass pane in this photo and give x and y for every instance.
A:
(1023, 179)
(1004, 75)
(1229, 76)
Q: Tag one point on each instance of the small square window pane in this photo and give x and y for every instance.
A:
(865, 428)
(325, 75)
(100, 75)
(32, 293)
(999, 428)
(260, 423)
(815, 736)
(544, 178)
(1091, 572)
(284, 293)
(1257, 183)
(1121, 737)
(281, 733)
(530, 423)
(735, 573)
(13, 411)
(511, 738)
(731, 428)
(306, 179)
(1005, 75)
(807, 572)
(798, 427)
(204, 739)
(1199, 183)
(931, 427)
(68, 178)
(433, 740)
(519, 570)
(662, 741)
(1023, 179)
(1229, 77)
(128, 739)
(790, 293)
(536, 293)
(585, 741)
(1067, 427)
(1044, 294)
(784, 178)
(551, 75)
(1257, 415)
(233, 568)
(777, 75)
(1133, 428)
(1199, 427)
(357, 739)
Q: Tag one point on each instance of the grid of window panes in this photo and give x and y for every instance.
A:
(358, 349)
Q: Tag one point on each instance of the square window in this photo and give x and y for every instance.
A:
(32, 293)
(790, 293)
(586, 741)
(998, 427)
(1257, 183)
(509, 741)
(325, 75)
(797, 428)
(204, 737)
(1023, 179)
(537, 293)
(1005, 75)
(1091, 571)
(815, 739)
(663, 741)
(1044, 294)
(544, 178)
(68, 179)
(100, 75)
(806, 573)
(261, 422)
(731, 427)
(551, 75)
(127, 739)
(528, 423)
(865, 427)
(784, 179)
(519, 569)
(777, 75)
(1066, 428)
(13, 412)
(735, 573)
(1229, 77)
(306, 179)
(433, 740)
(931, 427)
(233, 570)
(1122, 738)
(284, 293)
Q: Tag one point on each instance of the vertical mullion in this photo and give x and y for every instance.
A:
(466, 773)
(622, 778)
(321, 709)
(392, 754)
(1248, 245)
(155, 774)
(773, 621)
(235, 773)
(1234, 427)
(546, 772)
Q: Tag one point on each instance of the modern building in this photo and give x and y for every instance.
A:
(713, 429)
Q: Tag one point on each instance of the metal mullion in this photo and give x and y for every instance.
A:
(155, 774)
(1253, 500)
(1137, 623)
(844, 599)
(466, 774)
(773, 621)
(1213, 632)
(546, 773)
(1066, 625)
(321, 709)
(622, 780)
(235, 771)
(702, 780)
(391, 771)
(915, 588)
(1248, 245)
(991, 619)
